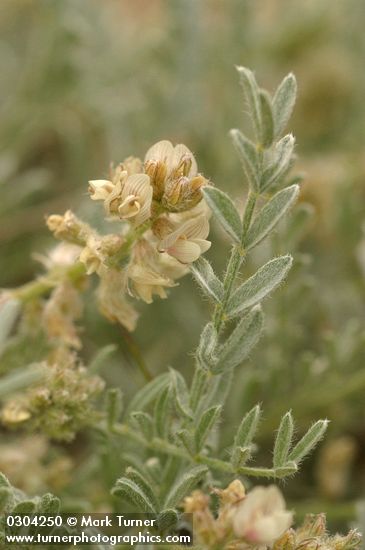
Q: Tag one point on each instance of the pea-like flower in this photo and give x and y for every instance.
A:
(261, 517)
(188, 240)
(127, 196)
(146, 274)
(174, 176)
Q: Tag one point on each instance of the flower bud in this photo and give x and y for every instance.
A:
(69, 228)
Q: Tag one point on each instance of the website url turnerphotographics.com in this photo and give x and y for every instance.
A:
(99, 538)
(91, 529)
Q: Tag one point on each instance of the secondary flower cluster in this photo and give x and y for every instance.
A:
(166, 228)
(259, 520)
(255, 519)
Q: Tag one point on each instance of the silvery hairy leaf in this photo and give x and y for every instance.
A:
(206, 423)
(267, 120)
(283, 102)
(180, 393)
(308, 441)
(248, 155)
(270, 215)
(252, 98)
(48, 504)
(257, 287)
(283, 441)
(248, 427)
(224, 210)
(184, 486)
(243, 440)
(148, 393)
(144, 484)
(143, 422)
(129, 490)
(161, 412)
(281, 161)
(207, 346)
(207, 280)
(240, 455)
(167, 519)
(239, 344)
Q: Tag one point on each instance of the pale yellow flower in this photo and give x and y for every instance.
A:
(261, 517)
(174, 176)
(188, 240)
(99, 250)
(146, 273)
(92, 256)
(100, 189)
(112, 299)
(128, 196)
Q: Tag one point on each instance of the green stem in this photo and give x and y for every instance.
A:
(42, 285)
(237, 256)
(136, 354)
(160, 445)
(76, 272)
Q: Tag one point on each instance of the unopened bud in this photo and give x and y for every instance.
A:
(68, 228)
(157, 171)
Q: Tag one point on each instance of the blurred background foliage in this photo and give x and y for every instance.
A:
(84, 83)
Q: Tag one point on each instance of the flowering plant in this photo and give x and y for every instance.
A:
(168, 432)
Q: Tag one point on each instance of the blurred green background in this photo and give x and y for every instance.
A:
(84, 83)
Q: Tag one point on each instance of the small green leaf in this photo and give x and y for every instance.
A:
(249, 158)
(6, 499)
(143, 483)
(280, 163)
(308, 441)
(148, 393)
(24, 507)
(144, 423)
(207, 346)
(267, 120)
(270, 215)
(129, 490)
(283, 471)
(185, 485)
(248, 428)
(283, 441)
(167, 519)
(224, 210)
(205, 425)
(48, 504)
(257, 287)
(283, 102)
(252, 97)
(243, 338)
(181, 394)
(240, 456)
(114, 406)
(207, 280)
(161, 413)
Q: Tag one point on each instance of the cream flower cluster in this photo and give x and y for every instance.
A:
(165, 228)
(253, 520)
